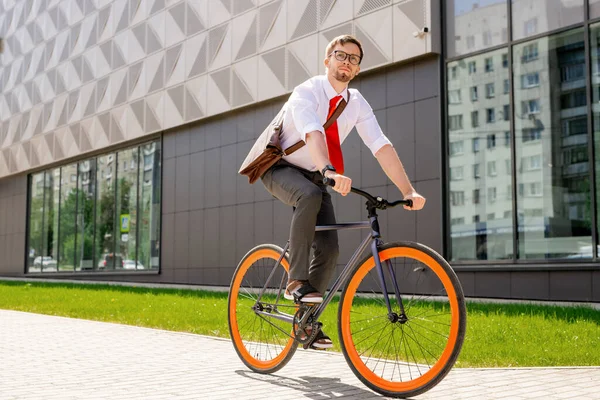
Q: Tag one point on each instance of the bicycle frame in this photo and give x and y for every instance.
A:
(373, 239)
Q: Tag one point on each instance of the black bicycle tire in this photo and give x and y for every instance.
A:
(461, 328)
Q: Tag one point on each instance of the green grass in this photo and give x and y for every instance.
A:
(498, 335)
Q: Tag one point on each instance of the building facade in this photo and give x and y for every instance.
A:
(123, 124)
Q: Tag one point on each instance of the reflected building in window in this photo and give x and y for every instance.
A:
(481, 148)
(551, 152)
(99, 214)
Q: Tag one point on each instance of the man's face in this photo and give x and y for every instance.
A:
(343, 71)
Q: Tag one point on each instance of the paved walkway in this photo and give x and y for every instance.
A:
(45, 357)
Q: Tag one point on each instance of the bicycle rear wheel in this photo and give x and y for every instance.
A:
(395, 356)
(264, 343)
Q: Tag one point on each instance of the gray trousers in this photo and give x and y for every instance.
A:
(312, 204)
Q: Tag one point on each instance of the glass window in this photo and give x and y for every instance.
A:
(453, 73)
(554, 218)
(89, 216)
(149, 206)
(474, 95)
(84, 259)
(582, 185)
(476, 171)
(475, 145)
(484, 239)
(491, 168)
(457, 198)
(530, 80)
(455, 122)
(506, 85)
(105, 213)
(532, 17)
(491, 194)
(472, 68)
(489, 64)
(456, 173)
(126, 227)
(594, 8)
(68, 212)
(454, 96)
(51, 215)
(505, 60)
(474, 119)
(529, 53)
(491, 141)
(36, 218)
(456, 148)
(474, 25)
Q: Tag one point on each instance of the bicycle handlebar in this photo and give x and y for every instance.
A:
(379, 202)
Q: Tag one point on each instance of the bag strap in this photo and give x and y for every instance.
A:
(338, 111)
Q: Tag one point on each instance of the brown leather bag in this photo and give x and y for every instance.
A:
(267, 148)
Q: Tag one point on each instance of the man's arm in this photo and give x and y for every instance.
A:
(318, 151)
(393, 168)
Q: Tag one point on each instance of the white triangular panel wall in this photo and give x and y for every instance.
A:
(76, 79)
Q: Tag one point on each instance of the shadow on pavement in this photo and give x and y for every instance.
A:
(313, 387)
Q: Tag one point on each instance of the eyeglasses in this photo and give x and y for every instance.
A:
(342, 55)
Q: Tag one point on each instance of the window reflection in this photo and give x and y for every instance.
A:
(554, 214)
(126, 227)
(105, 215)
(532, 17)
(68, 213)
(480, 202)
(85, 215)
(594, 8)
(149, 213)
(473, 25)
(98, 214)
(36, 216)
(595, 78)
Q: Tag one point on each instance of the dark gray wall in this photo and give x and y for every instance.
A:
(13, 206)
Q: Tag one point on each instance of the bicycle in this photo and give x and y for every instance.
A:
(399, 294)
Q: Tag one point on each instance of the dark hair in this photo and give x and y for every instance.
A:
(343, 39)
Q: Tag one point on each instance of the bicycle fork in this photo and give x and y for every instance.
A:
(392, 316)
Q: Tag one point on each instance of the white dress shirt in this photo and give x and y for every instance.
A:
(306, 111)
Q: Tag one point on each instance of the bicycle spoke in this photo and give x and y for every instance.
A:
(421, 347)
(374, 344)
(431, 330)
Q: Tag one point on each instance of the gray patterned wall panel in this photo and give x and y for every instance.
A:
(79, 75)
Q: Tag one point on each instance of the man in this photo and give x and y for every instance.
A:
(296, 180)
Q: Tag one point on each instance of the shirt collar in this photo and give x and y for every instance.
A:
(330, 91)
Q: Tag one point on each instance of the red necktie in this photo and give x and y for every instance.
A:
(333, 140)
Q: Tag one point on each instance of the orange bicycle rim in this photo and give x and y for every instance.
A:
(235, 288)
(345, 320)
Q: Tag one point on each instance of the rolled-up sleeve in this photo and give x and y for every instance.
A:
(303, 106)
(368, 128)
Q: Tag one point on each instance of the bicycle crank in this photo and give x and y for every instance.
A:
(304, 328)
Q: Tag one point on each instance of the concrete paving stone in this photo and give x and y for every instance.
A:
(46, 357)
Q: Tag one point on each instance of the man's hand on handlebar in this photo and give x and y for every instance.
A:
(343, 184)
(418, 201)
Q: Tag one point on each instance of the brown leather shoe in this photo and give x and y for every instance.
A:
(302, 292)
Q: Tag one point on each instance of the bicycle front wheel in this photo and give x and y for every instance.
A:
(263, 342)
(403, 353)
